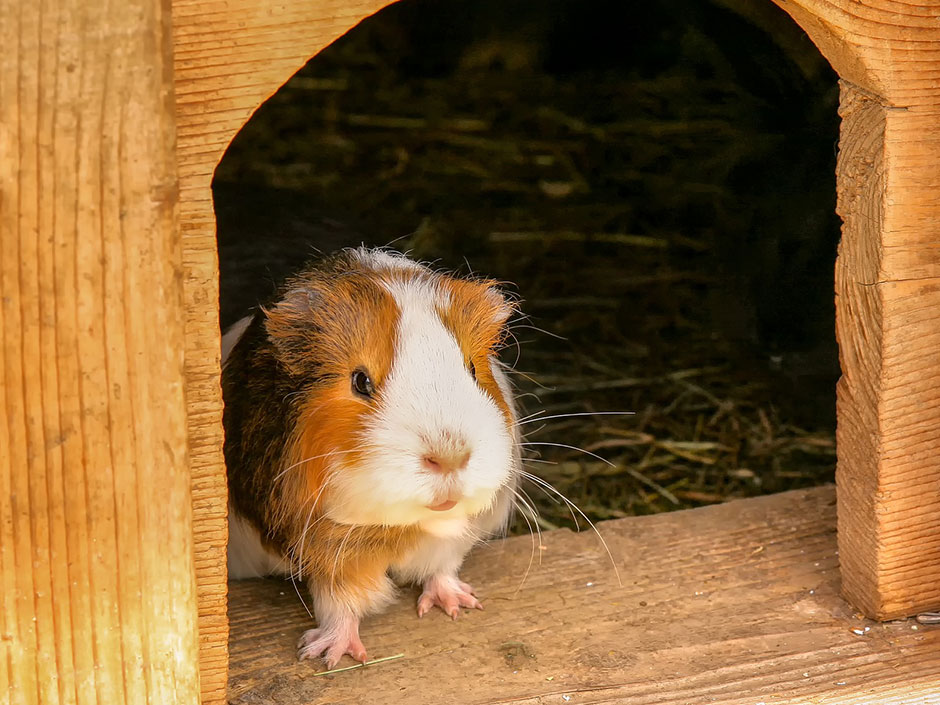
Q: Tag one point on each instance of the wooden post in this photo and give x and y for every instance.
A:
(97, 590)
(887, 297)
(229, 57)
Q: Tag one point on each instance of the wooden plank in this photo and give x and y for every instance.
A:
(229, 56)
(95, 521)
(887, 296)
(737, 603)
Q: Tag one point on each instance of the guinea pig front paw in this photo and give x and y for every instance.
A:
(449, 593)
(332, 641)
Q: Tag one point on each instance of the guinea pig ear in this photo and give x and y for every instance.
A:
(503, 307)
(292, 327)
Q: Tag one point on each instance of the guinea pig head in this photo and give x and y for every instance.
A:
(403, 415)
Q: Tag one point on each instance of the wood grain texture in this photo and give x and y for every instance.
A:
(887, 296)
(229, 57)
(96, 573)
(737, 603)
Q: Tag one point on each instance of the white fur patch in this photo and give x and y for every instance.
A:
(333, 602)
(247, 556)
(385, 259)
(427, 400)
(231, 337)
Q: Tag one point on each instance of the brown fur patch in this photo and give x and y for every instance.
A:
(476, 316)
(329, 323)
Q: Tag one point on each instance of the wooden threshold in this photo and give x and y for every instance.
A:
(734, 603)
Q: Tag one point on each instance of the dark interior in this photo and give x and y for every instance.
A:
(655, 181)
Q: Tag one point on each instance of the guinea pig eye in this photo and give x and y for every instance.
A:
(362, 383)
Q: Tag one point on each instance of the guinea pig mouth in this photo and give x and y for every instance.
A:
(443, 506)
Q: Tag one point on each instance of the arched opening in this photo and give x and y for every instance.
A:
(667, 207)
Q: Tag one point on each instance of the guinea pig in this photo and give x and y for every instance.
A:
(371, 434)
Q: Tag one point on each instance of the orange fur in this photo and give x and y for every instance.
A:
(334, 323)
(476, 316)
(352, 556)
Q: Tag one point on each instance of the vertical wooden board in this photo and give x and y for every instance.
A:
(888, 313)
(95, 515)
(908, 496)
(858, 323)
(887, 301)
(229, 56)
(912, 159)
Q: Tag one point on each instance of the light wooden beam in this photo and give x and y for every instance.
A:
(97, 589)
(887, 53)
(229, 57)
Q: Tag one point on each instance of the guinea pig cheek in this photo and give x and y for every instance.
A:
(325, 451)
(367, 487)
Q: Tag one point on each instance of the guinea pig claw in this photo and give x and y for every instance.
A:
(449, 593)
(333, 644)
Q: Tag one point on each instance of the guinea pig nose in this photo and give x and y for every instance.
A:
(446, 463)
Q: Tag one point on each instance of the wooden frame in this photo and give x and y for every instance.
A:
(111, 126)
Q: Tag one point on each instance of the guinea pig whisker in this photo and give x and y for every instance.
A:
(307, 525)
(531, 416)
(397, 239)
(296, 551)
(580, 413)
(564, 445)
(532, 536)
(295, 574)
(536, 328)
(307, 460)
(531, 379)
(339, 552)
(302, 601)
(555, 500)
(529, 505)
(518, 348)
(534, 430)
(297, 393)
(529, 394)
(474, 536)
(548, 487)
(316, 497)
